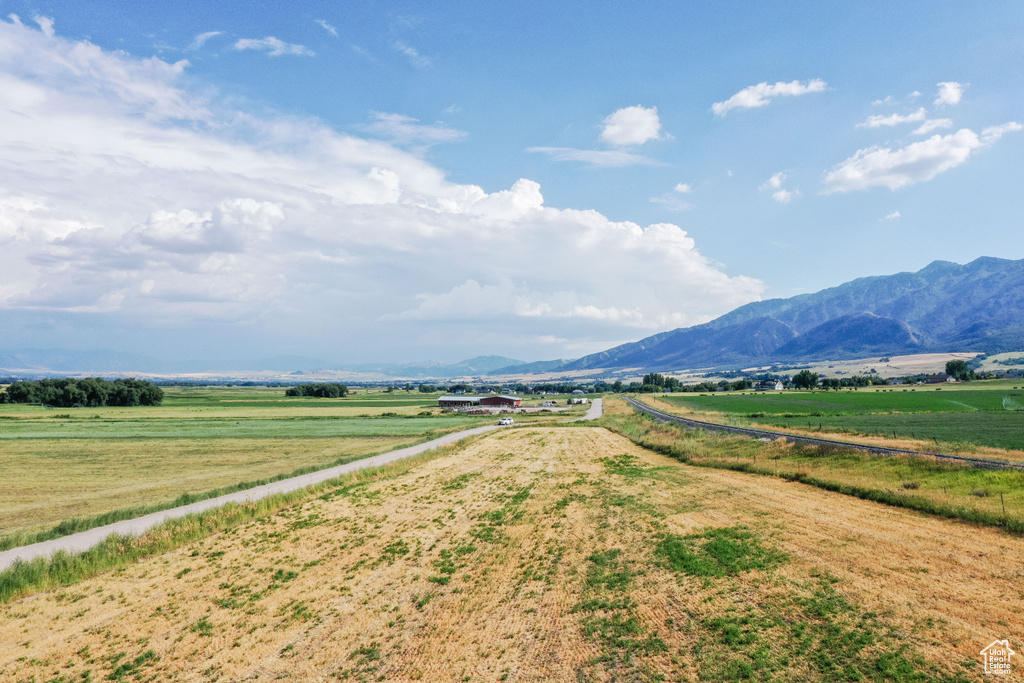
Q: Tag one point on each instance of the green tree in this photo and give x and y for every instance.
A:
(805, 379)
(959, 370)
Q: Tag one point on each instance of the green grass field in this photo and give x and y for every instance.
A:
(954, 416)
(897, 400)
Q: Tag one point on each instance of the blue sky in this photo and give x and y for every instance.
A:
(401, 181)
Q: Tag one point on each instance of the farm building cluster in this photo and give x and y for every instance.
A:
(482, 403)
(498, 404)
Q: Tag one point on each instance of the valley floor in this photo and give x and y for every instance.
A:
(544, 554)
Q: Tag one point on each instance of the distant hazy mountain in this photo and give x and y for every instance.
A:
(51, 361)
(481, 365)
(943, 307)
(59, 360)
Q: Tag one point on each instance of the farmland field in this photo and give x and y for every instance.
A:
(992, 417)
(80, 463)
(951, 489)
(543, 554)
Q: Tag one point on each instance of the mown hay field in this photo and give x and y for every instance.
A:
(539, 554)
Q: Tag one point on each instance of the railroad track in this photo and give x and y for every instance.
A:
(662, 416)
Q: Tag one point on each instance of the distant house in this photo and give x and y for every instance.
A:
(578, 392)
(940, 378)
(769, 385)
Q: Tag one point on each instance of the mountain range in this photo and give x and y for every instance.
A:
(942, 307)
(30, 362)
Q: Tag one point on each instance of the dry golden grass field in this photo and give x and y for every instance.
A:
(544, 554)
(54, 480)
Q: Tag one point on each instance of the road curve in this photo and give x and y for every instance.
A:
(662, 416)
(82, 541)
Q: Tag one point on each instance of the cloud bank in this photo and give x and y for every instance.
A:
(129, 199)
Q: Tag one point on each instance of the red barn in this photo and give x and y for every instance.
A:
(501, 401)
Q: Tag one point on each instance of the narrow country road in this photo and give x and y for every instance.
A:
(82, 541)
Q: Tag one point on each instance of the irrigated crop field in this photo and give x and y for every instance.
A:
(544, 554)
(64, 464)
(956, 416)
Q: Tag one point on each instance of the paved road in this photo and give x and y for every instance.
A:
(82, 541)
(662, 416)
(595, 411)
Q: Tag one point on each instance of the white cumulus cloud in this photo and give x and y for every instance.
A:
(950, 92)
(274, 47)
(241, 228)
(780, 194)
(631, 126)
(892, 216)
(45, 25)
(761, 94)
(878, 121)
(917, 162)
(932, 125)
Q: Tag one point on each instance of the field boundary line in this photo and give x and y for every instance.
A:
(84, 540)
(662, 416)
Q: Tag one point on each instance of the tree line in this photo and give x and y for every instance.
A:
(318, 390)
(90, 392)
